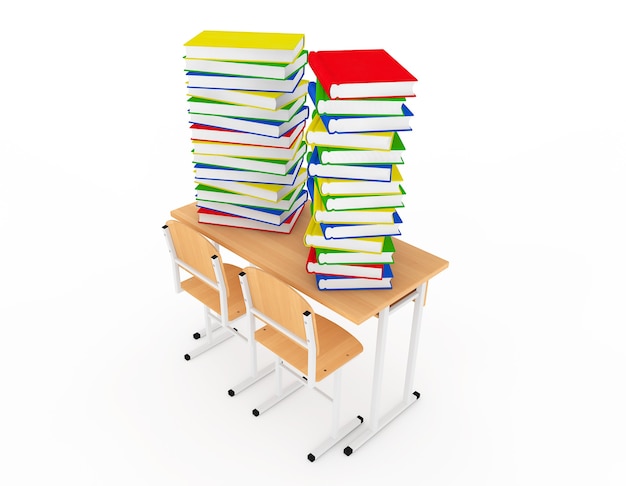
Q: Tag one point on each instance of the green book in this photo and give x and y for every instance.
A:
(348, 156)
(330, 256)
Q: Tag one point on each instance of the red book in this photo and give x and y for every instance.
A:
(367, 73)
(361, 271)
(210, 216)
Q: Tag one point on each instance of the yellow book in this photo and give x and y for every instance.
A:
(245, 46)
(318, 135)
(314, 237)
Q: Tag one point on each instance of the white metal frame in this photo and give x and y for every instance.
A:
(336, 433)
(217, 326)
(377, 422)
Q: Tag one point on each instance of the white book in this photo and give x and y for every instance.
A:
(240, 68)
(374, 216)
(201, 106)
(259, 99)
(217, 81)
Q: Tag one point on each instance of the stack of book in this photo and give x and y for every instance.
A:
(247, 114)
(353, 173)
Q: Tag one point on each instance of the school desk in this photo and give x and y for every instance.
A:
(285, 256)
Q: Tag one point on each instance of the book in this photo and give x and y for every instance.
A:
(206, 192)
(331, 231)
(321, 214)
(335, 282)
(273, 70)
(272, 166)
(268, 191)
(257, 99)
(342, 187)
(269, 128)
(201, 106)
(363, 271)
(242, 150)
(361, 73)
(339, 155)
(365, 123)
(340, 257)
(370, 201)
(210, 216)
(318, 135)
(245, 46)
(365, 172)
(266, 215)
(313, 236)
(227, 174)
(209, 133)
(196, 79)
(367, 106)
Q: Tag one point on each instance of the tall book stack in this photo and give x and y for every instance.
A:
(353, 172)
(247, 114)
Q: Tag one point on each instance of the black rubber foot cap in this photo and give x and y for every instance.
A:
(196, 335)
(255, 412)
(187, 357)
(347, 451)
(231, 393)
(360, 418)
(311, 457)
(417, 395)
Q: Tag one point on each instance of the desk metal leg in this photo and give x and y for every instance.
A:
(377, 423)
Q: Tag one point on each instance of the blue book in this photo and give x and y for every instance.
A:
(333, 231)
(197, 79)
(336, 282)
(206, 171)
(367, 123)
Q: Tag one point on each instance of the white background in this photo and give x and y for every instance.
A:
(515, 173)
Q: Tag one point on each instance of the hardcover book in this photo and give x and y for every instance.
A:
(362, 271)
(242, 150)
(335, 282)
(211, 216)
(245, 46)
(367, 73)
(258, 99)
(201, 106)
(210, 133)
(272, 70)
(318, 135)
(197, 79)
(269, 128)
(271, 166)
(364, 106)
